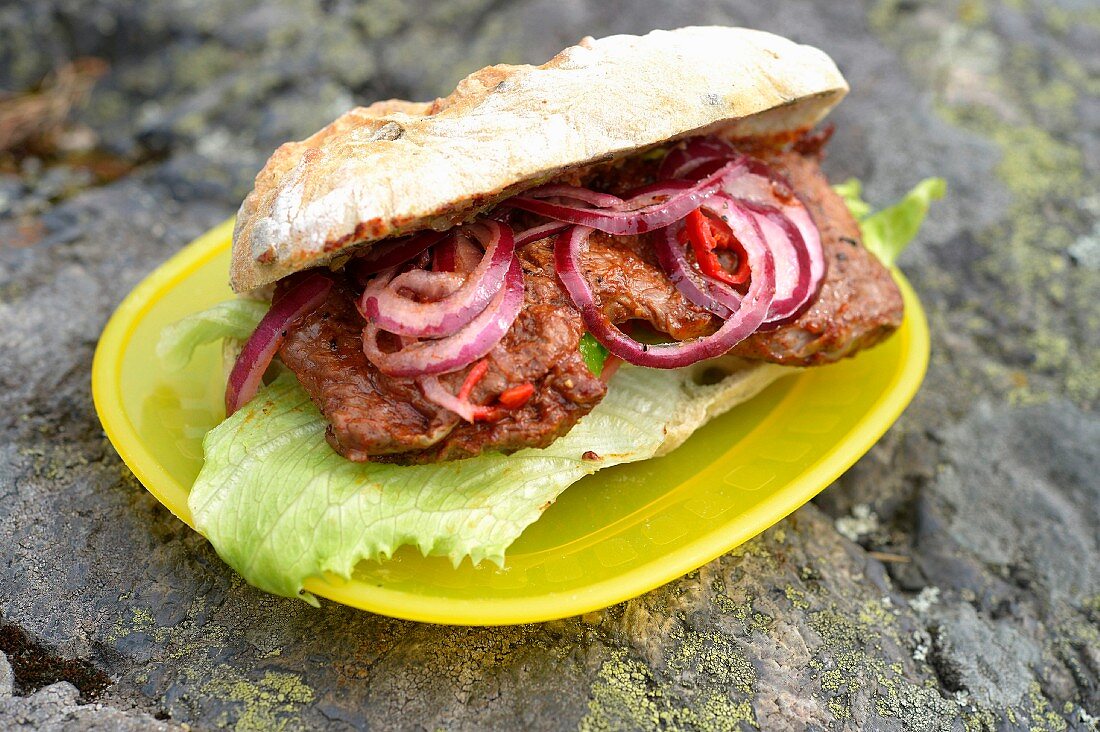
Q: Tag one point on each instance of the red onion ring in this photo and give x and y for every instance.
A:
(795, 287)
(435, 391)
(706, 292)
(535, 233)
(428, 285)
(383, 304)
(469, 343)
(460, 403)
(794, 275)
(443, 255)
(792, 261)
(741, 323)
(576, 193)
(757, 191)
(693, 152)
(629, 219)
(297, 301)
(784, 220)
(384, 256)
(654, 193)
(455, 254)
(467, 255)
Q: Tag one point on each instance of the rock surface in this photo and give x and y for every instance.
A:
(950, 580)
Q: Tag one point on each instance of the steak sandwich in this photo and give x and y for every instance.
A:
(443, 261)
(456, 281)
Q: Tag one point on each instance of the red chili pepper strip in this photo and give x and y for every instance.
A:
(516, 396)
(480, 413)
(705, 235)
(488, 414)
(472, 378)
(726, 240)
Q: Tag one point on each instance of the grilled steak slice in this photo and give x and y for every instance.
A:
(540, 348)
(369, 413)
(628, 285)
(859, 304)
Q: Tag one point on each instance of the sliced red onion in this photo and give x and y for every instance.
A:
(428, 285)
(794, 273)
(383, 304)
(788, 248)
(706, 292)
(682, 160)
(384, 256)
(460, 403)
(297, 301)
(757, 191)
(781, 216)
(535, 233)
(741, 323)
(630, 220)
(602, 200)
(443, 255)
(456, 254)
(434, 391)
(654, 193)
(471, 342)
(467, 255)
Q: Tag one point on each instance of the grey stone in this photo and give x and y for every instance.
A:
(7, 678)
(54, 708)
(965, 590)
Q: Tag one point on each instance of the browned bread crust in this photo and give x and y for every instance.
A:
(399, 166)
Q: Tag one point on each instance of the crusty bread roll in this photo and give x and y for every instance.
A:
(398, 166)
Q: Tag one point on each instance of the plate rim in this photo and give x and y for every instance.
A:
(127, 442)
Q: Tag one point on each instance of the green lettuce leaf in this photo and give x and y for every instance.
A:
(280, 505)
(886, 233)
(230, 319)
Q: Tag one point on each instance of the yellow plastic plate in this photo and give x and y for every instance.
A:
(610, 537)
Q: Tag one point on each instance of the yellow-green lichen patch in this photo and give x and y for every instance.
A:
(272, 702)
(1024, 96)
(719, 713)
(850, 661)
(876, 612)
(621, 698)
(712, 658)
(796, 597)
(627, 697)
(979, 720)
(682, 671)
(266, 704)
(1041, 717)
